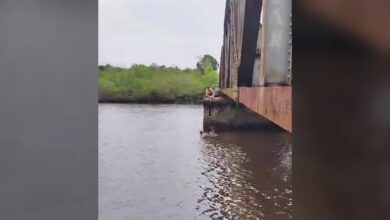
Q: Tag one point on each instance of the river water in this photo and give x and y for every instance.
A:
(155, 165)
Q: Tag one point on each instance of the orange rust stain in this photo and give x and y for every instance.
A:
(273, 103)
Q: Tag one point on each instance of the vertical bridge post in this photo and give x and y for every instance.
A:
(256, 58)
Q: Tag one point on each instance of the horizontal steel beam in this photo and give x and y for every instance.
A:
(273, 103)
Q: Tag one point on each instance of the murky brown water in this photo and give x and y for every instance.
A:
(154, 165)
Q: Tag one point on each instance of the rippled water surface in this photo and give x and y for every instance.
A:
(155, 165)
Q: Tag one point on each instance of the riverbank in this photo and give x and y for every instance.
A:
(154, 84)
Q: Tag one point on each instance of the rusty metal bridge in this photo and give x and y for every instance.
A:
(256, 57)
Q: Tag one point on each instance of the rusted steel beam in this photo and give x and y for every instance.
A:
(273, 103)
(239, 44)
(231, 93)
(249, 40)
(221, 68)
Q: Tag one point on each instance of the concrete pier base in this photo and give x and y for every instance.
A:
(223, 114)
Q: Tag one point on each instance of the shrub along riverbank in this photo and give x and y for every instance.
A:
(154, 84)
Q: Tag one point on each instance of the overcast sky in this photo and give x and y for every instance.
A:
(166, 32)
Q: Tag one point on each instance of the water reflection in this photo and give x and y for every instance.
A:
(153, 164)
(247, 176)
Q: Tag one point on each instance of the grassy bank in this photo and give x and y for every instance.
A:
(154, 84)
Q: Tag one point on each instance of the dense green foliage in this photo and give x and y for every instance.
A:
(154, 84)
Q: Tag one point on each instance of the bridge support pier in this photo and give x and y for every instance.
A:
(223, 114)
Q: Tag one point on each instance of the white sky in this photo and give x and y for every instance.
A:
(166, 32)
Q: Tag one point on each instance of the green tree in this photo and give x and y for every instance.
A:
(106, 67)
(207, 63)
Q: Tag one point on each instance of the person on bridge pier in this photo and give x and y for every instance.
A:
(209, 93)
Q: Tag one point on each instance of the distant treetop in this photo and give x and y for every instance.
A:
(207, 63)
